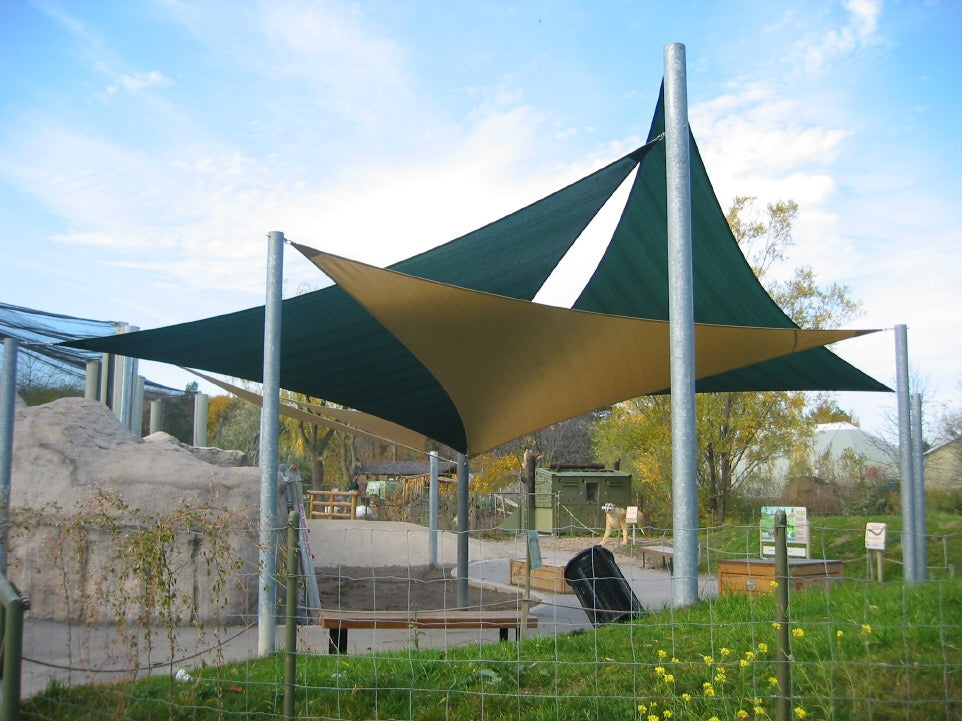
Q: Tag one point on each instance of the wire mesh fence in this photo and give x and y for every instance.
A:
(860, 648)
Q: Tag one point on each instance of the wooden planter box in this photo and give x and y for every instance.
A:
(755, 575)
(546, 578)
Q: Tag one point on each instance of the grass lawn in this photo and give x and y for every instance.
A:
(860, 650)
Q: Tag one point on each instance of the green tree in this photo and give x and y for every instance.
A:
(739, 434)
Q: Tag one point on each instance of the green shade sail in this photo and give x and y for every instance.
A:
(333, 348)
(632, 280)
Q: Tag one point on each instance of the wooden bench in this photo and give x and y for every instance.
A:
(338, 622)
(666, 553)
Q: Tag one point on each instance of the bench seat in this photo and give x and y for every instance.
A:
(338, 622)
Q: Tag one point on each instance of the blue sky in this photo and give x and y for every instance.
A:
(147, 148)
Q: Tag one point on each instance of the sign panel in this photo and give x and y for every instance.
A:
(534, 550)
(631, 514)
(796, 518)
(875, 536)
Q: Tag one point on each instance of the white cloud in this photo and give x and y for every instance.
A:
(136, 83)
(815, 51)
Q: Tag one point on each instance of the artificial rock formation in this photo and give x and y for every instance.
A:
(106, 526)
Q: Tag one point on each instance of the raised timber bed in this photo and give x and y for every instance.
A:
(757, 575)
(546, 578)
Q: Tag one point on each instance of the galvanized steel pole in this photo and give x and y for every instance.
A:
(137, 406)
(8, 394)
(270, 429)
(156, 416)
(681, 329)
(200, 420)
(906, 485)
(463, 526)
(92, 380)
(433, 512)
(918, 488)
(120, 395)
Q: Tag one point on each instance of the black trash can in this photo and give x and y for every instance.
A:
(600, 586)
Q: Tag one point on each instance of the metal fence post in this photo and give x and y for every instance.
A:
(783, 651)
(11, 643)
(290, 623)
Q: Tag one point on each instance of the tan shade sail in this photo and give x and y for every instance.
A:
(353, 422)
(511, 366)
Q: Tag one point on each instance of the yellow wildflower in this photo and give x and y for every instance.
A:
(660, 670)
(772, 681)
(759, 710)
(798, 632)
(686, 697)
(750, 655)
(725, 651)
(667, 713)
(763, 648)
(653, 717)
(642, 708)
(839, 633)
(776, 625)
(744, 663)
(773, 585)
(714, 718)
(669, 678)
(741, 714)
(800, 712)
(662, 654)
(866, 628)
(707, 659)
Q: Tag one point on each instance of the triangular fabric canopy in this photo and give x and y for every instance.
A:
(332, 348)
(547, 363)
(348, 421)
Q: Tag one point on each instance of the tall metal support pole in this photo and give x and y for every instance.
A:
(92, 380)
(463, 526)
(433, 512)
(137, 407)
(200, 420)
(906, 485)
(132, 368)
(8, 394)
(106, 379)
(270, 422)
(681, 316)
(118, 378)
(156, 416)
(918, 488)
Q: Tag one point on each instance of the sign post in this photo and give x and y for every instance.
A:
(875, 548)
(631, 517)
